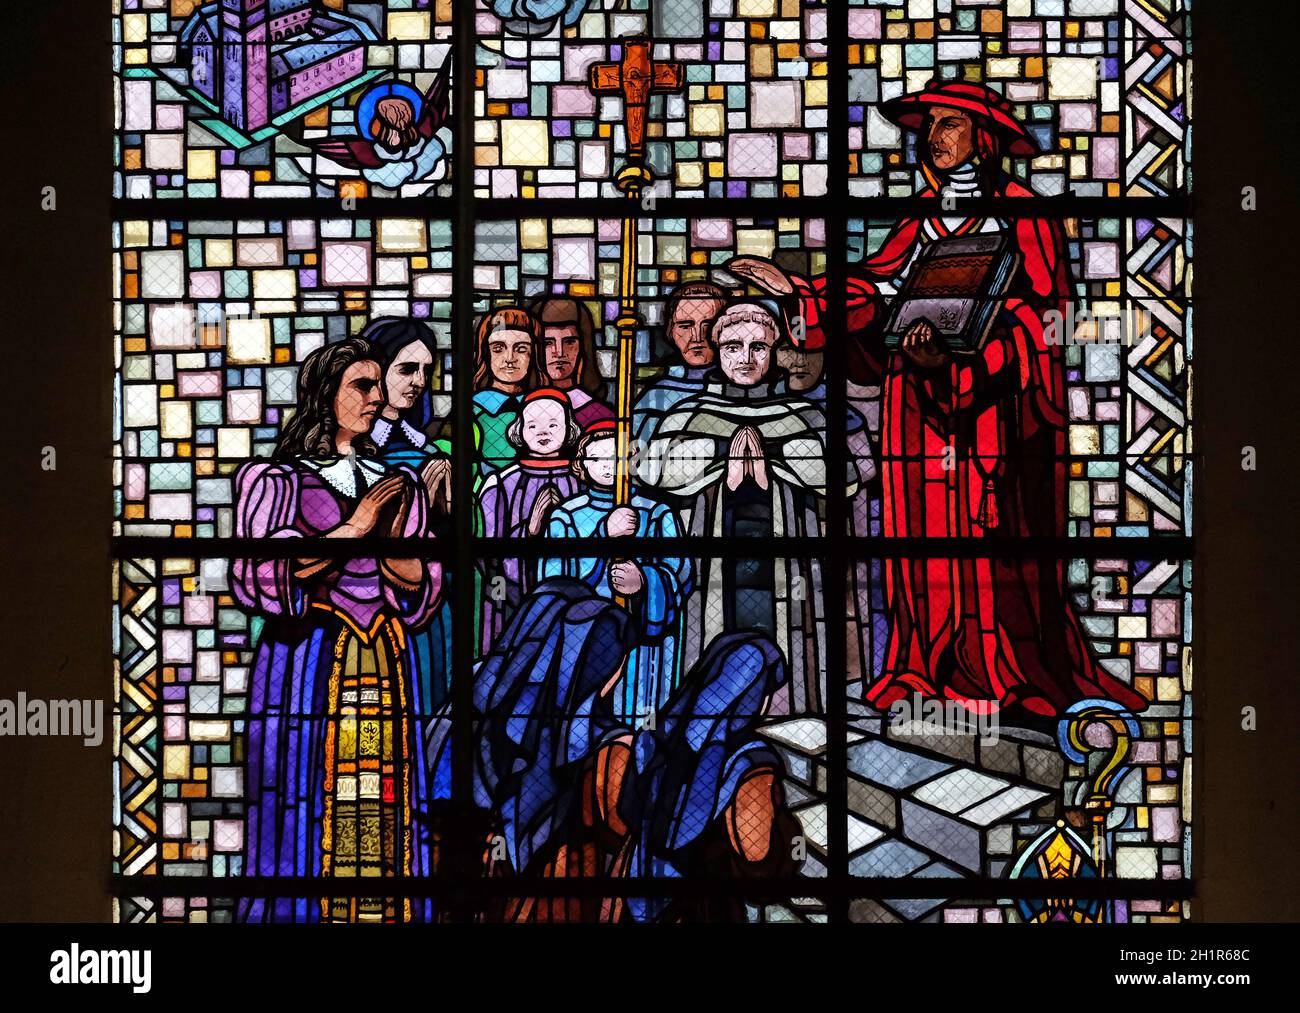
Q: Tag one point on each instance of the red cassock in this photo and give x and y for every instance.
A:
(975, 449)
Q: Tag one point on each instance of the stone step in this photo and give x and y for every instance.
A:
(879, 774)
(966, 816)
(915, 811)
(812, 818)
(801, 744)
(1023, 753)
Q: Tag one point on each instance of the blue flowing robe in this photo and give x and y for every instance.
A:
(690, 768)
(540, 716)
(654, 666)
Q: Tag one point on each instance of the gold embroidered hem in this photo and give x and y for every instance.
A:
(367, 831)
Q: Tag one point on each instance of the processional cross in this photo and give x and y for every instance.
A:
(636, 77)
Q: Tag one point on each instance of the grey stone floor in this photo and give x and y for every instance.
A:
(923, 803)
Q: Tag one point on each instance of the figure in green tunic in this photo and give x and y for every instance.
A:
(504, 372)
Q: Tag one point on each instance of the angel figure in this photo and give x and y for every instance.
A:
(398, 129)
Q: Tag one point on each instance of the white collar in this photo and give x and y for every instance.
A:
(342, 476)
(964, 180)
(383, 429)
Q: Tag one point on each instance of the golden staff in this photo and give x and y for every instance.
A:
(1101, 798)
(636, 77)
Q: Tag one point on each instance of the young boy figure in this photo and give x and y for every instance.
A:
(515, 502)
(654, 590)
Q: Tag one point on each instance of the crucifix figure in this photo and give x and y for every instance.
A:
(636, 77)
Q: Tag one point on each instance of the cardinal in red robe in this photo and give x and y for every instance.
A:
(971, 446)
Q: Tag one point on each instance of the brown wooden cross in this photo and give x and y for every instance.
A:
(636, 77)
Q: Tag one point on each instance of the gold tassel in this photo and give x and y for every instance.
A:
(988, 512)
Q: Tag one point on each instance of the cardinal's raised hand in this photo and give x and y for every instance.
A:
(762, 274)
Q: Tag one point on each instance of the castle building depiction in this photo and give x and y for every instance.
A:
(254, 59)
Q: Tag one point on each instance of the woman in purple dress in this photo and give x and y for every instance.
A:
(336, 780)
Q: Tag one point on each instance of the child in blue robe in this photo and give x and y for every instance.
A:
(655, 589)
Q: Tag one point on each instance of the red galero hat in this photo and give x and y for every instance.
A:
(993, 112)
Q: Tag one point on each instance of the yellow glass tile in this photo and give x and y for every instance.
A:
(201, 164)
(707, 120)
(409, 25)
(135, 27)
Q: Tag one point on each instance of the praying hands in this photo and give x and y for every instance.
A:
(746, 459)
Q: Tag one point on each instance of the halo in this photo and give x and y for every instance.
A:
(372, 98)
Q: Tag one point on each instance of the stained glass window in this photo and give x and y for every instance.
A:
(722, 460)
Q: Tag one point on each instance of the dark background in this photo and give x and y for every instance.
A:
(56, 795)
